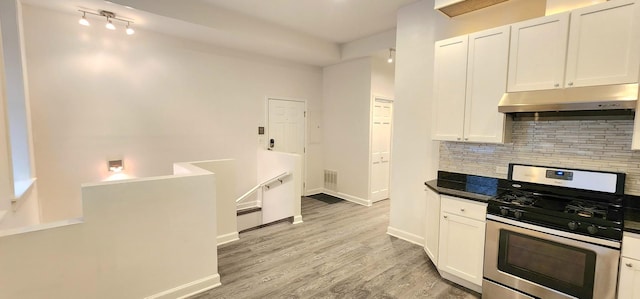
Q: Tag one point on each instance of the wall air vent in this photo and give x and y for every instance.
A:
(331, 180)
(454, 8)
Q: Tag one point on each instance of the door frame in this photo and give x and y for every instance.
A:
(381, 98)
(266, 125)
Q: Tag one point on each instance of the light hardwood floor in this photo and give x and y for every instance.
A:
(341, 250)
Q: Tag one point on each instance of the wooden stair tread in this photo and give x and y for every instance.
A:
(248, 211)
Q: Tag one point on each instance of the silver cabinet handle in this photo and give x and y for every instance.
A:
(458, 138)
(462, 210)
(466, 139)
(570, 84)
(445, 216)
(629, 265)
(556, 85)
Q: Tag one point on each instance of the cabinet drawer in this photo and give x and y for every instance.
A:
(631, 246)
(464, 207)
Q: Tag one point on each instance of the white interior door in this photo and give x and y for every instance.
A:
(286, 127)
(381, 149)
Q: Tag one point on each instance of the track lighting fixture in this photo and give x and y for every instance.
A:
(83, 21)
(391, 51)
(110, 16)
(110, 25)
(129, 30)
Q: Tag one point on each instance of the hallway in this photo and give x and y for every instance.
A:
(340, 251)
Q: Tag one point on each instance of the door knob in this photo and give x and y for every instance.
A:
(629, 265)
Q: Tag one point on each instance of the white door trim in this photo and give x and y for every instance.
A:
(380, 98)
(266, 125)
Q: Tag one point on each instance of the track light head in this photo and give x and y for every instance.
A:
(110, 25)
(391, 50)
(129, 30)
(83, 21)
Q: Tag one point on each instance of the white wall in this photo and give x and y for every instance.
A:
(415, 156)
(365, 46)
(150, 237)
(16, 160)
(382, 76)
(149, 98)
(347, 98)
(225, 171)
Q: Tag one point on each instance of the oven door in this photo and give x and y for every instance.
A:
(548, 263)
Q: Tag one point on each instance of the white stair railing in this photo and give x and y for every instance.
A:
(266, 184)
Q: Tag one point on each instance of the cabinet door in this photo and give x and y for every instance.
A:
(486, 83)
(450, 75)
(432, 225)
(629, 283)
(603, 44)
(537, 53)
(461, 250)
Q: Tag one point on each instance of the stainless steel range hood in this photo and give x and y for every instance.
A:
(606, 97)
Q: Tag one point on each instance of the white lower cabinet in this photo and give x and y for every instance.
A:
(629, 280)
(461, 242)
(432, 225)
(629, 287)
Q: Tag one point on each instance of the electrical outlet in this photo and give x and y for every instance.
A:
(502, 169)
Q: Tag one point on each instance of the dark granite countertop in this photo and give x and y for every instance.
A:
(632, 214)
(472, 187)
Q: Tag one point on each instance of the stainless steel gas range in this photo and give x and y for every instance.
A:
(555, 233)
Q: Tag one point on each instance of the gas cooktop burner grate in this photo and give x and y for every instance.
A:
(520, 200)
(586, 210)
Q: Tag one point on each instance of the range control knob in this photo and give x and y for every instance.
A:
(517, 214)
(573, 225)
(592, 229)
(504, 211)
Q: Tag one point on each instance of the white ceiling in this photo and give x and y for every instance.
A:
(338, 21)
(305, 31)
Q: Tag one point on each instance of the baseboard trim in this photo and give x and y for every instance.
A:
(457, 280)
(297, 219)
(347, 197)
(313, 191)
(403, 235)
(189, 289)
(228, 238)
(246, 205)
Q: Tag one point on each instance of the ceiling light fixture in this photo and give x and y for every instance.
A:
(83, 21)
(110, 16)
(129, 30)
(109, 25)
(391, 51)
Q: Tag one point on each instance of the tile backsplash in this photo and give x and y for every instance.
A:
(584, 144)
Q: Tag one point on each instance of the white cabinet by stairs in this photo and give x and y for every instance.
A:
(594, 45)
(432, 225)
(469, 79)
(629, 280)
(461, 248)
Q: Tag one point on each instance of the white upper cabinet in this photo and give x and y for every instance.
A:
(603, 44)
(538, 51)
(486, 83)
(595, 45)
(450, 73)
(469, 79)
